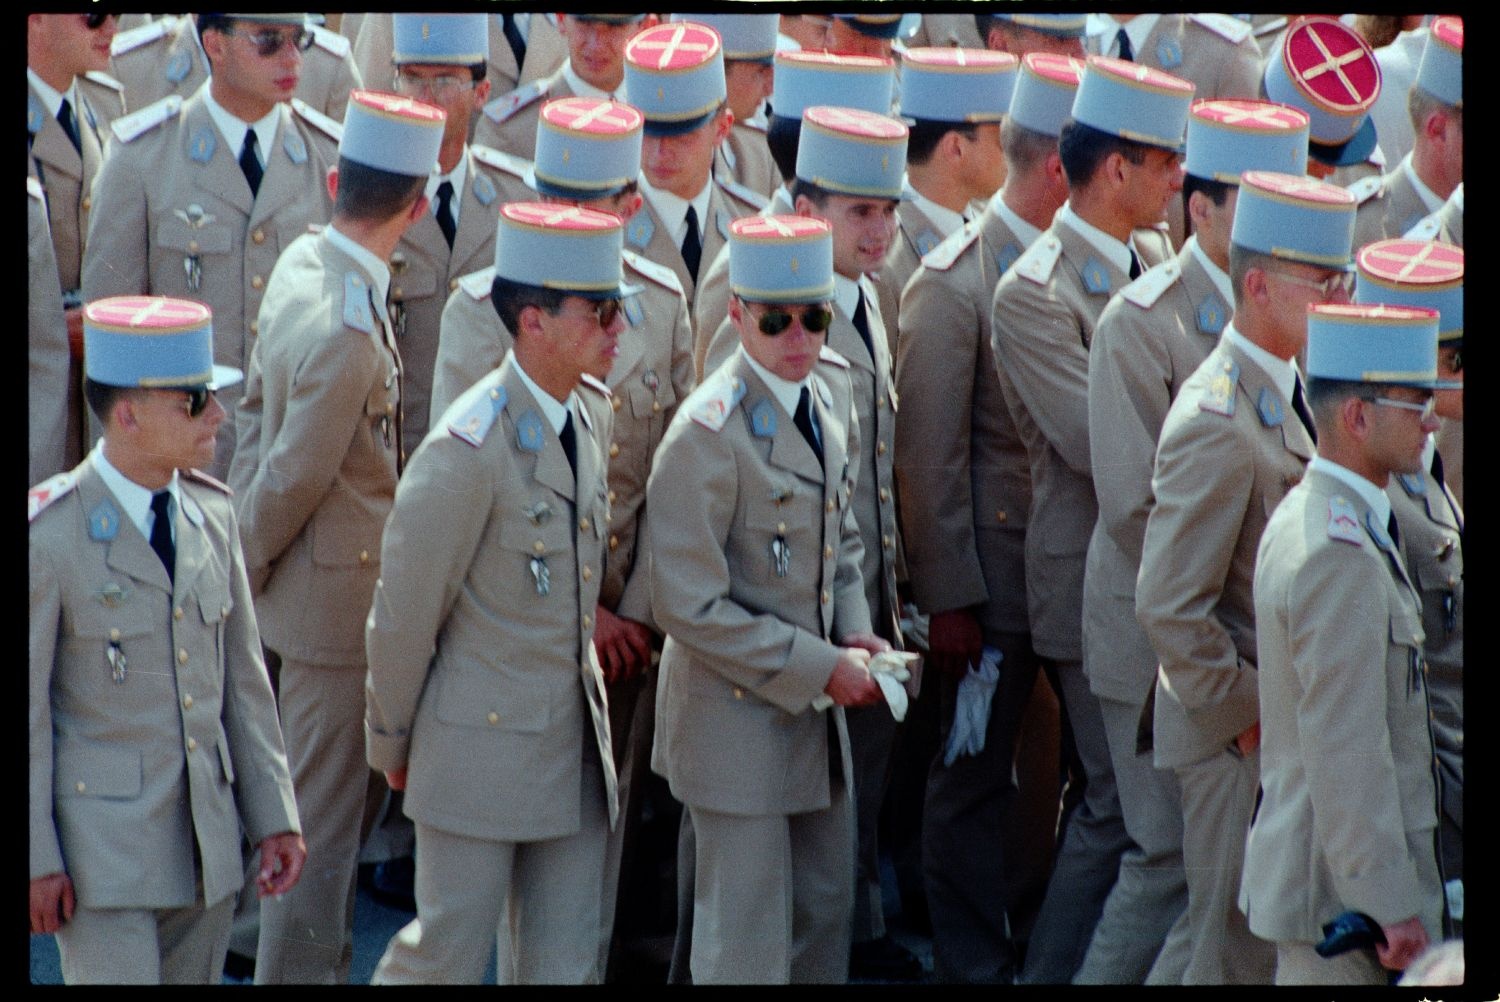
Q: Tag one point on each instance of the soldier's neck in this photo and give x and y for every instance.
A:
(1095, 206)
(146, 470)
(58, 78)
(247, 109)
(1027, 196)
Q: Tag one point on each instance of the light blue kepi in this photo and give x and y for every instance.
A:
(1387, 345)
(392, 133)
(781, 259)
(440, 39)
(1295, 219)
(564, 247)
(1133, 101)
(152, 341)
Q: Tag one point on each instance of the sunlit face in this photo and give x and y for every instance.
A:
(790, 354)
(1151, 184)
(451, 88)
(242, 76)
(577, 338)
(681, 164)
(160, 427)
(596, 49)
(1398, 435)
(863, 229)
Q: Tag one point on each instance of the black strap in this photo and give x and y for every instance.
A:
(513, 36)
(1126, 52)
(161, 533)
(803, 419)
(1299, 404)
(69, 123)
(862, 324)
(570, 443)
(445, 212)
(250, 163)
(692, 247)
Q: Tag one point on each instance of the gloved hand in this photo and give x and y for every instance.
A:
(971, 715)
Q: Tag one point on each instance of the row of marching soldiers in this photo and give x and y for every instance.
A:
(563, 469)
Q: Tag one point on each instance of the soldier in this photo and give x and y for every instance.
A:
(595, 68)
(1018, 34)
(964, 504)
(1425, 177)
(1430, 276)
(1043, 315)
(1398, 61)
(167, 56)
(1234, 441)
(803, 31)
(954, 100)
(200, 196)
(1149, 340)
(749, 42)
(952, 30)
(674, 73)
(148, 762)
(320, 438)
(522, 48)
(755, 576)
(65, 139)
(505, 596)
(869, 34)
(47, 346)
(1347, 816)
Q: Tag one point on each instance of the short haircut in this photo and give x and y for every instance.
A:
(1420, 104)
(369, 193)
(782, 135)
(1216, 192)
(102, 397)
(1324, 396)
(983, 23)
(476, 70)
(816, 194)
(1025, 149)
(510, 298)
(925, 133)
(1241, 261)
(214, 22)
(1084, 149)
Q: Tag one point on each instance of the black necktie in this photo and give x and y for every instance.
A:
(692, 248)
(1300, 406)
(1437, 466)
(1393, 530)
(161, 533)
(445, 212)
(250, 163)
(513, 37)
(1126, 52)
(1135, 264)
(804, 422)
(69, 124)
(569, 444)
(862, 324)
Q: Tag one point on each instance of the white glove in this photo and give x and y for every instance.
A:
(888, 669)
(971, 715)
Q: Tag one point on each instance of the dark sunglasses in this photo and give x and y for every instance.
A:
(606, 310)
(197, 400)
(815, 320)
(270, 41)
(95, 21)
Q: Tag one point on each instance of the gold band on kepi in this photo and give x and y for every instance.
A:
(781, 259)
(1133, 101)
(440, 39)
(1392, 345)
(392, 133)
(945, 84)
(674, 73)
(1295, 218)
(1228, 137)
(585, 148)
(152, 341)
(563, 247)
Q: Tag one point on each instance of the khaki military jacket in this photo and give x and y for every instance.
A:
(1218, 476)
(1388, 207)
(711, 299)
(508, 122)
(67, 176)
(154, 741)
(744, 158)
(1149, 340)
(545, 52)
(47, 347)
(749, 648)
(480, 632)
(648, 236)
(961, 466)
(165, 57)
(1215, 52)
(916, 235)
(650, 378)
(1346, 763)
(1042, 322)
(320, 431)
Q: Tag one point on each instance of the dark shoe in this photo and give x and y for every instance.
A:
(393, 884)
(239, 967)
(883, 959)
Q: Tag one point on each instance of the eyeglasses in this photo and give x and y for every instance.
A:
(606, 311)
(96, 21)
(815, 320)
(270, 41)
(197, 400)
(438, 88)
(1340, 282)
(1458, 360)
(1426, 408)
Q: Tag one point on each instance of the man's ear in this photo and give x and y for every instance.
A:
(332, 180)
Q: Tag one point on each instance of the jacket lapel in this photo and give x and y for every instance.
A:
(125, 549)
(220, 178)
(551, 462)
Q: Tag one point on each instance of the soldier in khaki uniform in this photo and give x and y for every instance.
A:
(1430, 276)
(1044, 311)
(594, 67)
(154, 740)
(505, 596)
(1345, 823)
(755, 571)
(522, 48)
(199, 197)
(60, 50)
(1235, 440)
(1149, 340)
(47, 346)
(749, 41)
(320, 450)
(167, 56)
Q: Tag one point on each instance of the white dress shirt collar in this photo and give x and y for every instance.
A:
(945, 219)
(1283, 372)
(233, 129)
(376, 270)
(457, 176)
(1373, 496)
(1220, 277)
(846, 295)
(786, 392)
(553, 409)
(1024, 231)
(1137, 29)
(672, 210)
(1427, 195)
(582, 88)
(135, 499)
(1116, 252)
(52, 98)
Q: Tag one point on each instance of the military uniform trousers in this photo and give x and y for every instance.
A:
(144, 946)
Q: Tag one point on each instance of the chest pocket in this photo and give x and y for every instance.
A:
(175, 235)
(785, 538)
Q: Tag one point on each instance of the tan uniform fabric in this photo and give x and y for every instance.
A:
(648, 236)
(915, 236)
(143, 230)
(947, 29)
(47, 384)
(140, 789)
(745, 158)
(508, 122)
(1348, 813)
(545, 52)
(1394, 208)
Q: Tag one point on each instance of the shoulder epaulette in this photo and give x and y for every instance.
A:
(330, 41)
(1040, 258)
(478, 284)
(34, 189)
(833, 358)
(716, 398)
(48, 491)
(753, 126)
(199, 477)
(1365, 188)
(476, 409)
(941, 257)
(1218, 395)
(127, 41)
(1343, 522)
(358, 313)
(1146, 290)
(507, 163)
(1376, 157)
(503, 107)
(658, 273)
(595, 384)
(105, 80)
(749, 196)
(1430, 228)
(1226, 26)
(330, 127)
(128, 128)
